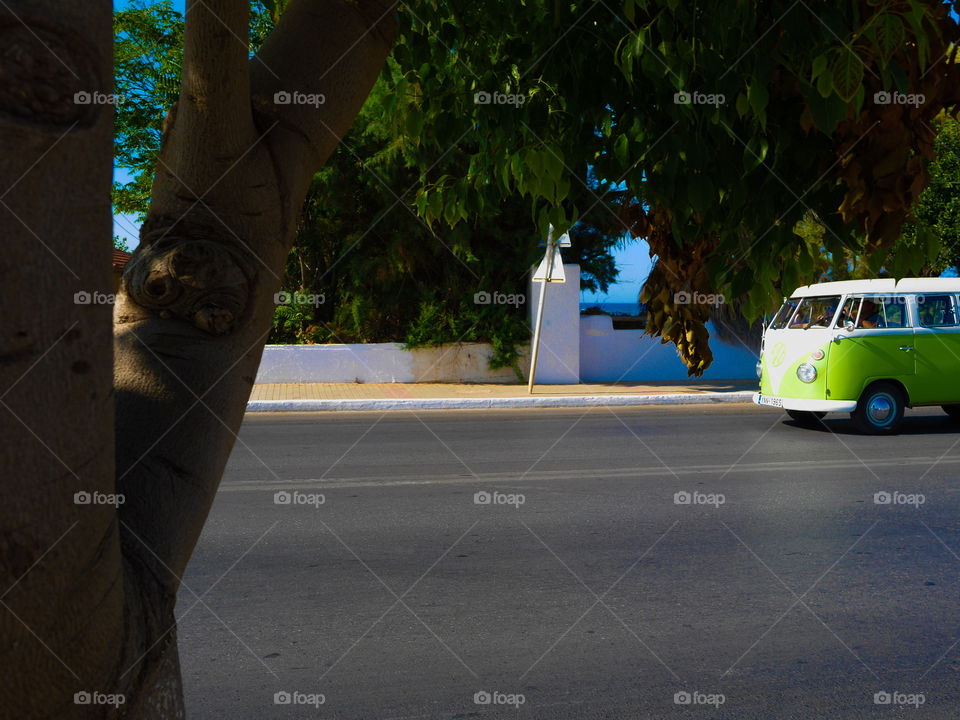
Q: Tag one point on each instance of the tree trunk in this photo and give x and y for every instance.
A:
(90, 588)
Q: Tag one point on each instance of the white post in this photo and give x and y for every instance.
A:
(535, 348)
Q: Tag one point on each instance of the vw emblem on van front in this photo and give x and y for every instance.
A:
(778, 353)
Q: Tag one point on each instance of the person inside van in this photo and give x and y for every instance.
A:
(848, 313)
(821, 319)
(869, 317)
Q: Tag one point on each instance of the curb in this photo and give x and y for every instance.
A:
(562, 401)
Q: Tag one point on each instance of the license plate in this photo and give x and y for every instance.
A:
(771, 401)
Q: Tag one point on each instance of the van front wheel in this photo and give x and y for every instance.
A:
(879, 410)
(806, 418)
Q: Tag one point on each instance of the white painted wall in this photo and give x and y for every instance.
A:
(379, 363)
(559, 360)
(573, 349)
(607, 355)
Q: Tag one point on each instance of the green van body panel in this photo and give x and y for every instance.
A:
(864, 356)
(938, 366)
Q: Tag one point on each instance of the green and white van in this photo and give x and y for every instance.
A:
(867, 347)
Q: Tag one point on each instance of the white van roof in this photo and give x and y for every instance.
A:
(885, 285)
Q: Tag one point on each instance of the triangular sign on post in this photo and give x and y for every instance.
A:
(562, 241)
(556, 269)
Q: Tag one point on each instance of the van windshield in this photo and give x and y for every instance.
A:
(805, 313)
(784, 314)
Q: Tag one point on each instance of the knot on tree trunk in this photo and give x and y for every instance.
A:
(181, 271)
(48, 74)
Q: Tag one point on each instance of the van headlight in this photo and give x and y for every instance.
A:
(807, 373)
(759, 369)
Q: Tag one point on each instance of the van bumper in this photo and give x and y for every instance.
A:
(807, 405)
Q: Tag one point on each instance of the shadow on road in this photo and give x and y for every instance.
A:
(917, 425)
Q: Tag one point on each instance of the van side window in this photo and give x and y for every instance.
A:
(849, 312)
(937, 310)
(870, 315)
(874, 312)
(893, 311)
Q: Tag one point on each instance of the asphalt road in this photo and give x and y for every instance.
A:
(583, 589)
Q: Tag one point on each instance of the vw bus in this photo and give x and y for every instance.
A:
(867, 347)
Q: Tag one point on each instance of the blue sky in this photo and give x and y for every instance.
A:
(634, 265)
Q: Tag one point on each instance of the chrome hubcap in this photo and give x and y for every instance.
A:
(880, 409)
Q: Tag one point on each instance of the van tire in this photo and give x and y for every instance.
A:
(952, 410)
(879, 410)
(807, 418)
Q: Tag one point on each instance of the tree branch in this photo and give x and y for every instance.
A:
(330, 52)
(196, 303)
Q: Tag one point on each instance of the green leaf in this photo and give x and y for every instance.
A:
(422, 203)
(847, 74)
(758, 97)
(791, 276)
(819, 65)
(755, 152)
(534, 161)
(435, 207)
(915, 16)
(929, 243)
(451, 212)
(743, 105)
(890, 34)
(825, 83)
(505, 175)
(516, 167)
(414, 124)
(553, 162)
(621, 149)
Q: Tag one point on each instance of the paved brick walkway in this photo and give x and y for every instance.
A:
(365, 391)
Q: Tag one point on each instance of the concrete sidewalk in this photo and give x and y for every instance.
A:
(312, 397)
